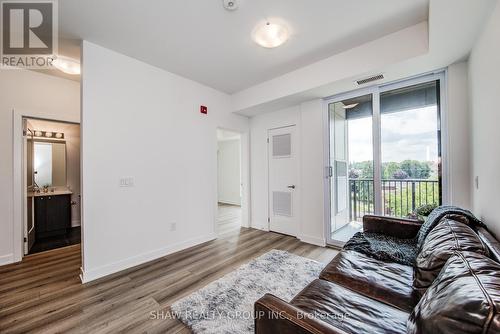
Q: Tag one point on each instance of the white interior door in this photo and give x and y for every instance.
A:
(284, 192)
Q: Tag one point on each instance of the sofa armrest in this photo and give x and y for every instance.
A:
(402, 228)
(274, 315)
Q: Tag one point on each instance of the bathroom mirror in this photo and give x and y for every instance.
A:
(49, 164)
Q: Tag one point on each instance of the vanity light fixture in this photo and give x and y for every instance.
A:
(270, 35)
(67, 65)
(48, 134)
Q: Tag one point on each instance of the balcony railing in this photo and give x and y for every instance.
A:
(399, 197)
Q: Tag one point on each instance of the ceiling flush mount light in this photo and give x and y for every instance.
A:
(270, 35)
(67, 65)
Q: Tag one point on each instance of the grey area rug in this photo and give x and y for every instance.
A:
(226, 305)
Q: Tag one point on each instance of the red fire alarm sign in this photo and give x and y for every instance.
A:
(203, 110)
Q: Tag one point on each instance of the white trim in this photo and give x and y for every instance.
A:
(326, 177)
(312, 240)
(17, 191)
(377, 151)
(108, 269)
(447, 192)
(6, 259)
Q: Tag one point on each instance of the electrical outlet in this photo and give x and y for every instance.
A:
(173, 227)
(127, 182)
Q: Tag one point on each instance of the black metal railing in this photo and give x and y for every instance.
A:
(399, 197)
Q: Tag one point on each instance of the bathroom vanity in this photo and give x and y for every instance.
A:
(52, 213)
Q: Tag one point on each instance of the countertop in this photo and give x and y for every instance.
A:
(50, 193)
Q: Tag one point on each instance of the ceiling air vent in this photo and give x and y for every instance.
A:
(370, 79)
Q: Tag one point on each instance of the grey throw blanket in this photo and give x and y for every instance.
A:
(404, 251)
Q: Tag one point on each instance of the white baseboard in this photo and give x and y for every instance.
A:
(312, 240)
(93, 274)
(75, 223)
(6, 259)
(260, 226)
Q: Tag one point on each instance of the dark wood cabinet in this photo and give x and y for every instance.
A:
(52, 215)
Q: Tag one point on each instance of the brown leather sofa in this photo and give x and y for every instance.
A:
(453, 288)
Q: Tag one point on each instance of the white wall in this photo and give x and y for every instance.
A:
(312, 172)
(31, 94)
(459, 136)
(228, 170)
(142, 122)
(484, 90)
(308, 117)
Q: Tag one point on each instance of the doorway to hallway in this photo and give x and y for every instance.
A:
(229, 183)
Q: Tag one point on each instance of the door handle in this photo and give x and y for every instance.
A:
(291, 187)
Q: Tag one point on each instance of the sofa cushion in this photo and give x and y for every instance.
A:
(448, 236)
(464, 298)
(388, 282)
(348, 310)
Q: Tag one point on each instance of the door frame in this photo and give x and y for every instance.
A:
(244, 177)
(376, 90)
(297, 210)
(19, 191)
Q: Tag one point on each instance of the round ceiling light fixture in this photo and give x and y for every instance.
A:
(270, 35)
(67, 65)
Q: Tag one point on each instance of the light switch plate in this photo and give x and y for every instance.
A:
(127, 182)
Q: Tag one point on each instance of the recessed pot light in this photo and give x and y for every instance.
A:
(67, 65)
(270, 35)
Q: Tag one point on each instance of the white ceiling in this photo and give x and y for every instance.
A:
(202, 41)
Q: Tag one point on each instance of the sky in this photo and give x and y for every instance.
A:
(407, 135)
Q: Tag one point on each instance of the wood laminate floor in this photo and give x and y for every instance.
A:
(43, 293)
(72, 237)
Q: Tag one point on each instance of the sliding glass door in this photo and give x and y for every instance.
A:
(410, 148)
(351, 161)
(384, 154)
